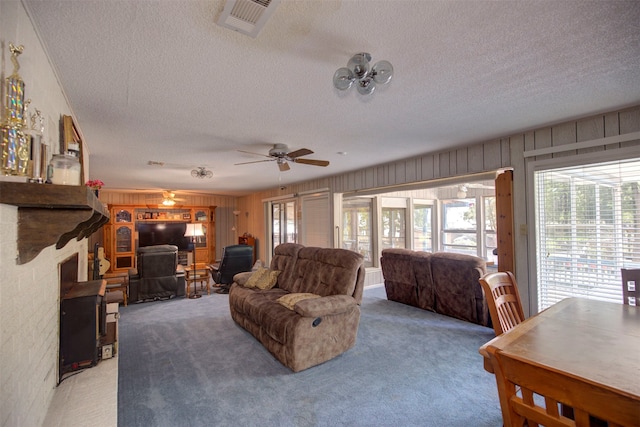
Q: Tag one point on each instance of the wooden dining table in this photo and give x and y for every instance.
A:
(582, 341)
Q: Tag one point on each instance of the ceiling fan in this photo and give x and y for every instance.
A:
(282, 156)
(168, 199)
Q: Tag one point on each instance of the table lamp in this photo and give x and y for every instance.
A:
(194, 231)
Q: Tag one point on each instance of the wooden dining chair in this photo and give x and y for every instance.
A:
(505, 308)
(532, 395)
(631, 285)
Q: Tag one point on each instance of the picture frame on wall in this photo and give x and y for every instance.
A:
(186, 216)
(71, 142)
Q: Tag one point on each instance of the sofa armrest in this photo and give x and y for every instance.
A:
(241, 278)
(325, 306)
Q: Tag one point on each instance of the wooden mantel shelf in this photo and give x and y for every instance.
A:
(49, 214)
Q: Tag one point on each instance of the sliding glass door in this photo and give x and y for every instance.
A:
(357, 227)
(283, 222)
(587, 229)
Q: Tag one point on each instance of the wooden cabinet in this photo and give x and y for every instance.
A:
(205, 251)
(122, 237)
(248, 239)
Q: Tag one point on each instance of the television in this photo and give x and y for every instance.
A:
(163, 233)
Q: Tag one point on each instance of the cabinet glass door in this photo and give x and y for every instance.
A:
(123, 215)
(123, 239)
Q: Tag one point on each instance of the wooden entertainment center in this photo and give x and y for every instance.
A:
(121, 238)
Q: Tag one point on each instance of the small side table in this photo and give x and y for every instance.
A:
(198, 275)
(118, 282)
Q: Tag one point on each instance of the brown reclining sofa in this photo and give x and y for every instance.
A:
(443, 282)
(321, 325)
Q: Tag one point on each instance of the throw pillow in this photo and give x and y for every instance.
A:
(290, 300)
(268, 280)
(255, 277)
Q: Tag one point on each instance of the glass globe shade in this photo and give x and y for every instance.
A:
(359, 64)
(382, 72)
(366, 86)
(343, 78)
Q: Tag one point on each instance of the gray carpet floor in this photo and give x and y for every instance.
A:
(186, 363)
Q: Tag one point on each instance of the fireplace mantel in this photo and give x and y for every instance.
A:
(52, 214)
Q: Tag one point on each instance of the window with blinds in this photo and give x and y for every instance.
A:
(587, 229)
(316, 221)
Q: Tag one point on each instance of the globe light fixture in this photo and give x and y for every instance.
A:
(201, 172)
(360, 72)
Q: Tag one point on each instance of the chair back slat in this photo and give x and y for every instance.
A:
(503, 299)
(631, 285)
(532, 395)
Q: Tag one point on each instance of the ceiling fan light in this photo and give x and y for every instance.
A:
(382, 72)
(168, 202)
(343, 78)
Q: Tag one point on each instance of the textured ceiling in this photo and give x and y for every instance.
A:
(160, 80)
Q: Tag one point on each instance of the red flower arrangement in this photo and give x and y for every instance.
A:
(94, 184)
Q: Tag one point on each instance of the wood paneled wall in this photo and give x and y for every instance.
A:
(224, 211)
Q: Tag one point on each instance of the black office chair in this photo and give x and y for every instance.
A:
(235, 259)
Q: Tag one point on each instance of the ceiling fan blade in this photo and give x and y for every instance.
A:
(251, 152)
(284, 166)
(256, 161)
(299, 153)
(312, 162)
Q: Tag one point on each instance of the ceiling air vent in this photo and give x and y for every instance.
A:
(247, 16)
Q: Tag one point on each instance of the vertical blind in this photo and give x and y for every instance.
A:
(587, 229)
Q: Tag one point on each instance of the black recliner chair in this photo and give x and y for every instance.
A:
(156, 276)
(235, 259)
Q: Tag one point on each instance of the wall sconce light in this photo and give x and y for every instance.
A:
(235, 220)
(358, 69)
